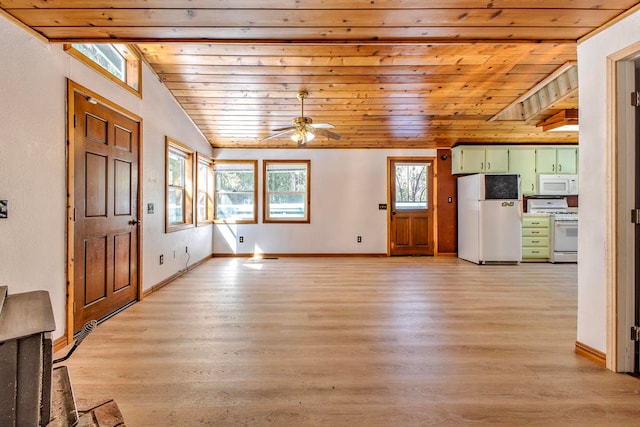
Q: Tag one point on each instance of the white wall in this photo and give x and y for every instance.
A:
(592, 61)
(32, 166)
(356, 179)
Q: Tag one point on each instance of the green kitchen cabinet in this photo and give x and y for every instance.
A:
(479, 159)
(567, 160)
(523, 162)
(557, 160)
(546, 160)
(496, 160)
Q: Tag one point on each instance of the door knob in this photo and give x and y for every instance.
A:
(135, 222)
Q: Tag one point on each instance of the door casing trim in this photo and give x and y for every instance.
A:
(619, 260)
(72, 88)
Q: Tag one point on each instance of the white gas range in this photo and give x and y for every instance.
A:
(564, 227)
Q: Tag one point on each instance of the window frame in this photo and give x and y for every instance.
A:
(266, 218)
(254, 164)
(209, 190)
(133, 67)
(188, 210)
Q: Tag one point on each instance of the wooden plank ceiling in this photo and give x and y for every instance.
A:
(386, 73)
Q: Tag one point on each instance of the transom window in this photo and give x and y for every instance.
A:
(179, 191)
(118, 62)
(286, 189)
(235, 191)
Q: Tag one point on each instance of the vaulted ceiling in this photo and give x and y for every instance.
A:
(386, 73)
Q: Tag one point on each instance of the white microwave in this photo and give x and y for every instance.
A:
(557, 185)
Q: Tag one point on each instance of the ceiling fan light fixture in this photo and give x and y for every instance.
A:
(303, 130)
(303, 136)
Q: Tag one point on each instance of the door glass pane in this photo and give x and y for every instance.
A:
(411, 185)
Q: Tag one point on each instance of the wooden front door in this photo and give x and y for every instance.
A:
(411, 220)
(105, 261)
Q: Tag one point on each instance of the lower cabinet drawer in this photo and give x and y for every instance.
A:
(535, 241)
(535, 252)
(535, 232)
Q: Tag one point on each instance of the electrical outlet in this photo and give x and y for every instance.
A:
(359, 239)
(241, 239)
(161, 259)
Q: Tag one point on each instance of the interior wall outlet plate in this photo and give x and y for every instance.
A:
(4, 209)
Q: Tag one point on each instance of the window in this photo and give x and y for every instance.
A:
(204, 191)
(286, 190)
(411, 185)
(179, 191)
(118, 62)
(235, 191)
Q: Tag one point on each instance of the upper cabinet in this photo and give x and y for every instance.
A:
(546, 160)
(526, 160)
(479, 159)
(557, 160)
(522, 160)
(497, 159)
(567, 160)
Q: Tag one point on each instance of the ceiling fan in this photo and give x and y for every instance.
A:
(303, 130)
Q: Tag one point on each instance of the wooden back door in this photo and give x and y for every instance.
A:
(105, 192)
(411, 227)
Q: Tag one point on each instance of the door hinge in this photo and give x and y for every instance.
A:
(635, 99)
(635, 216)
(74, 307)
(635, 333)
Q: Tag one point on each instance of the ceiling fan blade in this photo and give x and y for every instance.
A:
(279, 134)
(327, 133)
(281, 129)
(323, 126)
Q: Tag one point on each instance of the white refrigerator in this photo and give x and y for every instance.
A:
(490, 218)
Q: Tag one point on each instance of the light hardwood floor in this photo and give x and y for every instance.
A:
(354, 342)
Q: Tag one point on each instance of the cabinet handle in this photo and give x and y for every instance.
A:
(535, 241)
(532, 187)
(553, 168)
(488, 166)
(481, 166)
(559, 167)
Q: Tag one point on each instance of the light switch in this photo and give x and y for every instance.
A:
(4, 208)
(150, 208)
